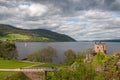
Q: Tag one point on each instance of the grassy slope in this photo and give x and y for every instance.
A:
(17, 64)
(13, 64)
(13, 76)
(8, 32)
(14, 37)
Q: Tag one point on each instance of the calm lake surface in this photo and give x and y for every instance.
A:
(25, 48)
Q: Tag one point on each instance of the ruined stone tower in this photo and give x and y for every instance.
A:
(100, 47)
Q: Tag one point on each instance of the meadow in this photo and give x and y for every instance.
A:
(13, 76)
(11, 64)
(14, 37)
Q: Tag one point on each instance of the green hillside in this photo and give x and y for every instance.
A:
(8, 32)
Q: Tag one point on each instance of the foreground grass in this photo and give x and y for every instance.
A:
(5, 74)
(13, 76)
(11, 64)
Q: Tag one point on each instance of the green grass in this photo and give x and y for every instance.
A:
(13, 76)
(5, 74)
(14, 37)
(50, 65)
(13, 64)
(24, 37)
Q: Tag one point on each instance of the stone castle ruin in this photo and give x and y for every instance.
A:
(100, 47)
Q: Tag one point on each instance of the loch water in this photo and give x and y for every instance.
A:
(25, 48)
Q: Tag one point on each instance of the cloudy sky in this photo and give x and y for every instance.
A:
(80, 19)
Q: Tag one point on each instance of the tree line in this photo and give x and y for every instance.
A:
(47, 54)
(44, 55)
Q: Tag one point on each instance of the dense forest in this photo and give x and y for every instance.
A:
(8, 32)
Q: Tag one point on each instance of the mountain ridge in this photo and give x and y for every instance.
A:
(8, 32)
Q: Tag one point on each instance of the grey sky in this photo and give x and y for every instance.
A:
(80, 19)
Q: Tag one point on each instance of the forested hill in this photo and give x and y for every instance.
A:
(8, 32)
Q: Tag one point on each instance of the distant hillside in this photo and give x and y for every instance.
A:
(8, 32)
(111, 40)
